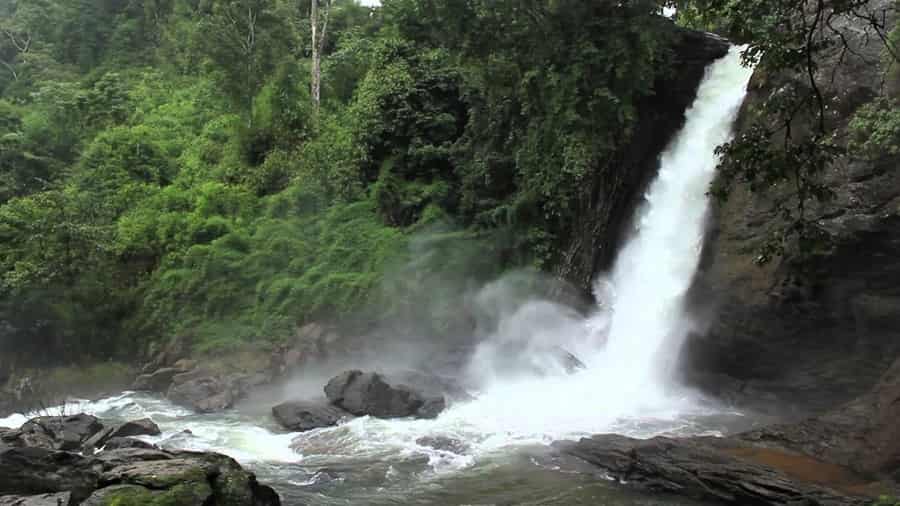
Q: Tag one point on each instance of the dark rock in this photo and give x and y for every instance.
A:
(430, 385)
(119, 443)
(862, 434)
(27, 471)
(190, 375)
(569, 361)
(302, 416)
(157, 381)
(122, 456)
(204, 395)
(369, 394)
(59, 432)
(443, 443)
(701, 468)
(97, 440)
(814, 331)
(129, 472)
(142, 427)
(209, 394)
(58, 499)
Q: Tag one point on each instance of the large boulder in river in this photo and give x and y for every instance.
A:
(204, 395)
(54, 432)
(301, 416)
(369, 394)
(157, 381)
(209, 394)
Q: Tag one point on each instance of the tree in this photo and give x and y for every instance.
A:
(244, 40)
(319, 31)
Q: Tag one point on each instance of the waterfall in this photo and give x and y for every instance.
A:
(654, 270)
(640, 323)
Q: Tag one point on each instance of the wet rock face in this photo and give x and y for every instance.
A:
(53, 432)
(370, 394)
(130, 474)
(707, 469)
(301, 416)
(820, 332)
(615, 188)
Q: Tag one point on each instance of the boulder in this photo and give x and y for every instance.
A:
(204, 395)
(443, 443)
(142, 427)
(711, 470)
(300, 416)
(27, 471)
(157, 381)
(369, 394)
(209, 394)
(119, 443)
(59, 432)
(128, 472)
(58, 499)
(430, 385)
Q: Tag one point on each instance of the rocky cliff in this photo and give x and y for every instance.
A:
(616, 185)
(815, 333)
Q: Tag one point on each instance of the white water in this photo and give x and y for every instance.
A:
(627, 345)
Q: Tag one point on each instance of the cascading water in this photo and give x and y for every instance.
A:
(656, 267)
(627, 347)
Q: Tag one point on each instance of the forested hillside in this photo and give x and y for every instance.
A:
(166, 170)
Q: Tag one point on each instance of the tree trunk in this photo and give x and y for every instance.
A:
(318, 45)
(316, 57)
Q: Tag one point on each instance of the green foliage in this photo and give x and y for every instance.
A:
(791, 139)
(886, 501)
(875, 129)
(162, 170)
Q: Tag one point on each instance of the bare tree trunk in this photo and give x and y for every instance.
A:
(318, 45)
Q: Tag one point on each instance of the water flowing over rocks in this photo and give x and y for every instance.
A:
(615, 188)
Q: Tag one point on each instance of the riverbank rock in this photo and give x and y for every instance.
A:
(369, 394)
(157, 381)
(27, 471)
(717, 470)
(143, 427)
(60, 499)
(119, 443)
(125, 474)
(301, 416)
(209, 394)
(53, 432)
